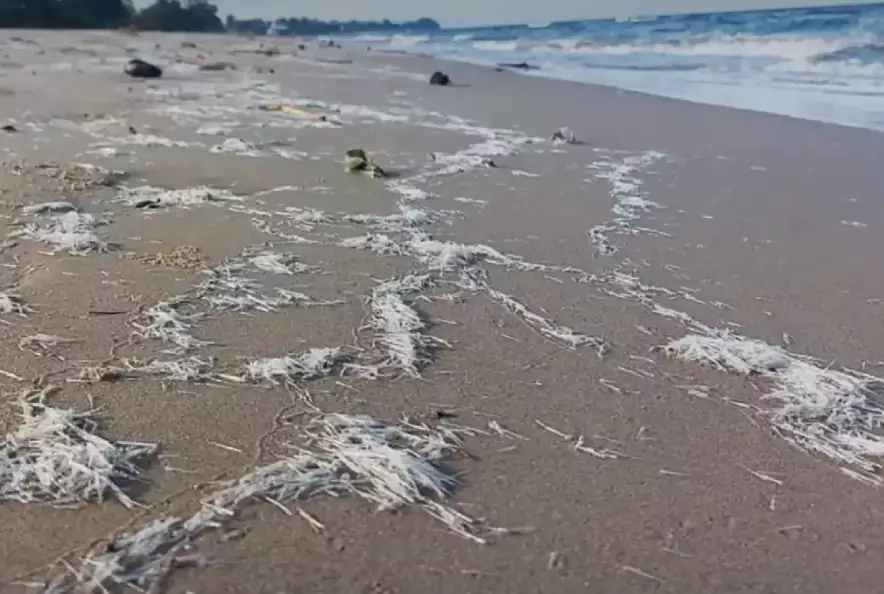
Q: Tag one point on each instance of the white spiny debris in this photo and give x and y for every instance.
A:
(227, 290)
(161, 197)
(56, 457)
(166, 323)
(398, 327)
(276, 263)
(285, 370)
(379, 243)
(70, 231)
(189, 369)
(12, 304)
(42, 344)
(625, 190)
(547, 327)
(819, 409)
(393, 466)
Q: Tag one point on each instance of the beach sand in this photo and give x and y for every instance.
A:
(615, 469)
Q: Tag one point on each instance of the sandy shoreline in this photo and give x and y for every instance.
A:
(682, 481)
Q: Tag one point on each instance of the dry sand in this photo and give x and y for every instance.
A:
(680, 482)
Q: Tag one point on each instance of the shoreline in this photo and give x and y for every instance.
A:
(542, 74)
(587, 457)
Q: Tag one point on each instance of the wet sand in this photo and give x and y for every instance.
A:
(699, 494)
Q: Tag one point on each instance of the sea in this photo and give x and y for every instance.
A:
(820, 63)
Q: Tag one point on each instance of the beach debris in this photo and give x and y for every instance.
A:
(42, 344)
(71, 231)
(12, 304)
(96, 374)
(217, 66)
(315, 363)
(564, 136)
(237, 146)
(166, 323)
(547, 327)
(182, 256)
(283, 108)
(276, 263)
(9, 128)
(391, 465)
(399, 328)
(56, 457)
(517, 65)
(189, 369)
(374, 171)
(838, 414)
(58, 207)
(76, 177)
(137, 68)
(154, 197)
(629, 200)
(357, 161)
(440, 79)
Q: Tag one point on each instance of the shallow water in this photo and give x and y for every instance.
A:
(823, 63)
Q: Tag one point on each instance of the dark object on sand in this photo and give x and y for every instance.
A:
(140, 69)
(132, 130)
(564, 136)
(9, 128)
(356, 160)
(518, 65)
(439, 79)
(217, 66)
(149, 203)
(302, 47)
(188, 44)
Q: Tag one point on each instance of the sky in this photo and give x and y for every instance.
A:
(455, 13)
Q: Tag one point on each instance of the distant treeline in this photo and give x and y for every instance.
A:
(303, 26)
(173, 15)
(164, 15)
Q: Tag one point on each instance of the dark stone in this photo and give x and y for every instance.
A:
(518, 65)
(140, 69)
(132, 130)
(439, 79)
(9, 128)
(147, 204)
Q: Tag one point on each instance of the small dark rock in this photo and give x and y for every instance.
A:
(147, 204)
(518, 65)
(9, 128)
(188, 44)
(440, 79)
(140, 69)
(132, 130)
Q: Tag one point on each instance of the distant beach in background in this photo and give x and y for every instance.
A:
(822, 63)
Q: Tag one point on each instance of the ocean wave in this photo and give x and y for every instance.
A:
(865, 53)
(741, 46)
(404, 41)
(816, 61)
(374, 37)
